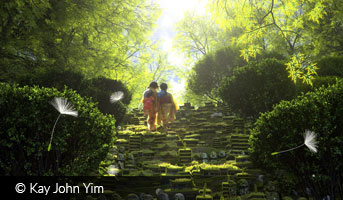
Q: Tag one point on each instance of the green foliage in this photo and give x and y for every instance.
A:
(330, 66)
(326, 37)
(317, 83)
(256, 87)
(302, 30)
(194, 99)
(54, 78)
(282, 128)
(26, 123)
(100, 89)
(97, 38)
(212, 69)
(329, 69)
(198, 36)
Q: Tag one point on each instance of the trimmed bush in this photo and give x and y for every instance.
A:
(316, 83)
(99, 89)
(26, 122)
(256, 87)
(320, 111)
(209, 71)
(330, 66)
(55, 78)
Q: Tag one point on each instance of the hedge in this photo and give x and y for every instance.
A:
(330, 66)
(99, 89)
(256, 87)
(26, 122)
(282, 128)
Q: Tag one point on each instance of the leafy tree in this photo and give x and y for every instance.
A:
(293, 27)
(160, 68)
(326, 37)
(212, 69)
(154, 66)
(282, 128)
(199, 35)
(329, 69)
(256, 87)
(190, 97)
(92, 37)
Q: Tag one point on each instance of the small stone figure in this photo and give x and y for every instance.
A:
(102, 197)
(121, 165)
(179, 196)
(114, 150)
(213, 155)
(308, 191)
(89, 197)
(271, 193)
(232, 191)
(204, 155)
(161, 195)
(132, 158)
(216, 114)
(144, 196)
(243, 187)
(148, 197)
(132, 197)
(260, 182)
(121, 149)
(116, 196)
(141, 196)
(222, 154)
(158, 191)
(121, 157)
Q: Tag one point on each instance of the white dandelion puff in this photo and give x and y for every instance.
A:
(116, 96)
(309, 141)
(64, 108)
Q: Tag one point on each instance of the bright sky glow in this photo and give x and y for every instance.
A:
(172, 12)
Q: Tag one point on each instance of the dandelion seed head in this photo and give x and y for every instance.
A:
(63, 106)
(116, 96)
(310, 140)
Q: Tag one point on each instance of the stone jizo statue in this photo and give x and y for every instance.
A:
(179, 196)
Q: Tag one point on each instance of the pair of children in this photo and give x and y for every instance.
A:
(160, 105)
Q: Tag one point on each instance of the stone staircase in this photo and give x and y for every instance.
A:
(208, 145)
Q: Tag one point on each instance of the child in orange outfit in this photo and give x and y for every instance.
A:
(151, 105)
(168, 107)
